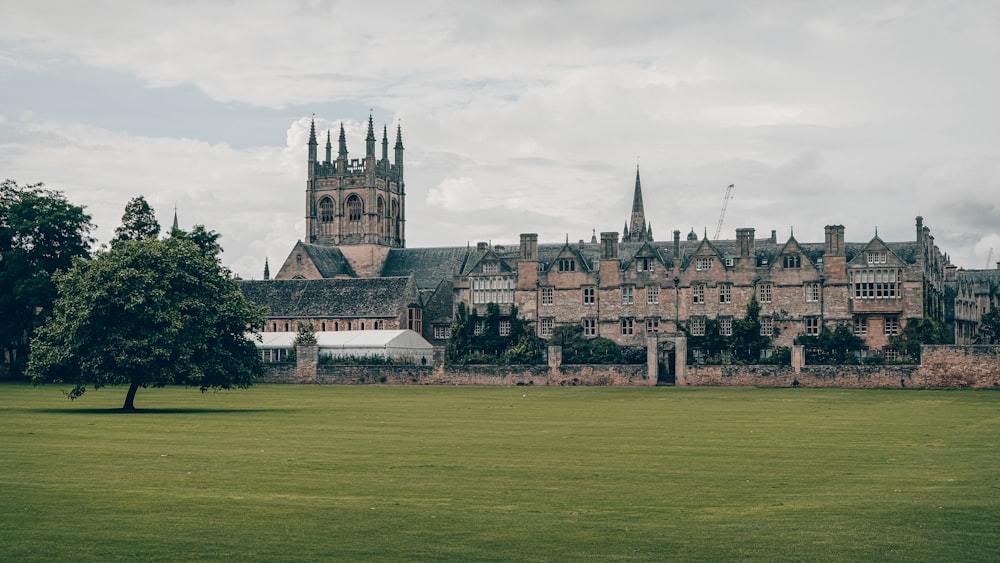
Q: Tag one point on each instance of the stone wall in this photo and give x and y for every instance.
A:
(848, 377)
(961, 366)
(942, 366)
(482, 375)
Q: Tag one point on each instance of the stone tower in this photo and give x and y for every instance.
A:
(356, 201)
(637, 230)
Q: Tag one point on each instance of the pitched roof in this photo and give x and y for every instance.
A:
(428, 266)
(329, 260)
(332, 298)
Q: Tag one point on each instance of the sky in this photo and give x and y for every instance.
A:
(517, 116)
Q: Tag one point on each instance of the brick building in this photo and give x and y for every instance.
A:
(353, 269)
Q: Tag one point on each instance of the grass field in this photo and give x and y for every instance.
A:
(415, 473)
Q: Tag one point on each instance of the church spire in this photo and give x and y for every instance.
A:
(267, 269)
(637, 230)
(174, 228)
(329, 146)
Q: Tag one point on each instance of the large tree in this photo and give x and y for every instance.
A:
(40, 232)
(138, 222)
(148, 313)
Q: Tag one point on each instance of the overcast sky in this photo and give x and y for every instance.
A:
(518, 116)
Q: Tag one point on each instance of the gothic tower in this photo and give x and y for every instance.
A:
(637, 230)
(357, 201)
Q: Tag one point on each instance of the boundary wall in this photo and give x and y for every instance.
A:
(940, 367)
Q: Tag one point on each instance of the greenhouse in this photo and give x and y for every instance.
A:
(277, 346)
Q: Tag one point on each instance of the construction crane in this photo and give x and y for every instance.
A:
(725, 203)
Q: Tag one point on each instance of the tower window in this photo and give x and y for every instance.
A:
(326, 210)
(354, 208)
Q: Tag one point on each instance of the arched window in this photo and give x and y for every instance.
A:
(326, 210)
(394, 218)
(379, 212)
(354, 208)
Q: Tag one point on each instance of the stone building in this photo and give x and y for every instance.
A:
(353, 270)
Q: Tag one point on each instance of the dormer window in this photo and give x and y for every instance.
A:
(644, 264)
(791, 261)
(567, 265)
(876, 257)
(704, 263)
(491, 267)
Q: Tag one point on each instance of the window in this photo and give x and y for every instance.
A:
(504, 327)
(764, 293)
(891, 325)
(589, 327)
(812, 326)
(644, 264)
(628, 326)
(380, 325)
(726, 327)
(362, 325)
(875, 258)
(414, 320)
(697, 326)
(326, 210)
(812, 292)
(860, 325)
(791, 261)
(567, 265)
(703, 263)
(354, 208)
(547, 295)
(442, 332)
(628, 294)
(725, 293)
(875, 284)
(698, 292)
(653, 294)
(491, 267)
(766, 326)
(652, 326)
(479, 329)
(545, 328)
(891, 354)
(322, 326)
(730, 262)
(588, 295)
(349, 326)
(494, 289)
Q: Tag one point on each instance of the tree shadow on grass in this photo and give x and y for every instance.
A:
(122, 411)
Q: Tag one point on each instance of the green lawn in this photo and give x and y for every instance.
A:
(443, 473)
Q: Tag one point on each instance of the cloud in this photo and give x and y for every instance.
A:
(528, 117)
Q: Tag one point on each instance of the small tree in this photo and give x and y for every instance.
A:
(138, 222)
(306, 335)
(917, 332)
(989, 327)
(148, 313)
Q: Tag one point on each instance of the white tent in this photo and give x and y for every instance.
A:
(358, 343)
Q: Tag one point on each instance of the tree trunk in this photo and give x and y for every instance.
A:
(130, 397)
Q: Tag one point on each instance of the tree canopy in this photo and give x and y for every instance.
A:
(148, 313)
(40, 232)
(138, 222)
(989, 328)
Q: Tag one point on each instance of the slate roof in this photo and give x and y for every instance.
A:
(329, 260)
(428, 266)
(332, 298)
